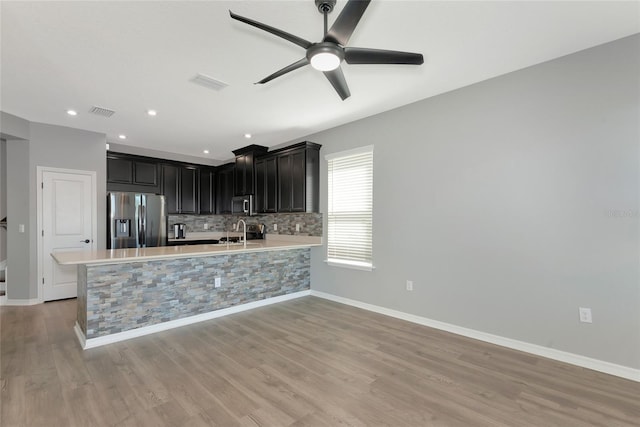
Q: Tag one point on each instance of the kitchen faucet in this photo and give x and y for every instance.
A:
(244, 234)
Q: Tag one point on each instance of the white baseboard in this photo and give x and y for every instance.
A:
(562, 356)
(8, 301)
(80, 335)
(146, 330)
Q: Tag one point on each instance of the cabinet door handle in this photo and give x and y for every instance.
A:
(85, 241)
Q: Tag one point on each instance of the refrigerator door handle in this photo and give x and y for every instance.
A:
(139, 225)
(144, 226)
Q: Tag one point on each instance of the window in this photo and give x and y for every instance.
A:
(350, 208)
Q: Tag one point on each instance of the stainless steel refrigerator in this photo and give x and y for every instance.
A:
(136, 220)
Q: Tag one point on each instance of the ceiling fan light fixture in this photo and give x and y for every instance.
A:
(325, 61)
(325, 56)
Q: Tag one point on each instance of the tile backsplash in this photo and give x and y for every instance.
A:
(310, 223)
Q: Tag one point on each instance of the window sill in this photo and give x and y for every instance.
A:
(351, 265)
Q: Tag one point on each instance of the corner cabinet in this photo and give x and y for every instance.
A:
(180, 188)
(288, 180)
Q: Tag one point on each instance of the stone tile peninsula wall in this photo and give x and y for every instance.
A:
(125, 296)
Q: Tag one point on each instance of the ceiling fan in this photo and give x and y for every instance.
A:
(327, 55)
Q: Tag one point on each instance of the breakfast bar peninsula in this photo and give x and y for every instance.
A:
(125, 293)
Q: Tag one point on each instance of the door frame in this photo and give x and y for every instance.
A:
(40, 170)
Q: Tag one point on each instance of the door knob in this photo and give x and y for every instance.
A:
(85, 240)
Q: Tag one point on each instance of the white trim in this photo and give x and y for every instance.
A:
(559, 355)
(354, 265)
(80, 335)
(351, 152)
(146, 330)
(94, 216)
(8, 301)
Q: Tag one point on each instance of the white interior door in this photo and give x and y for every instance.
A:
(67, 225)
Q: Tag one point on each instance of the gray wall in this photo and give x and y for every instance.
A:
(3, 197)
(510, 203)
(52, 146)
(18, 244)
(13, 127)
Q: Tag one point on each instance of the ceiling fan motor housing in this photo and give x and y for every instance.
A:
(325, 6)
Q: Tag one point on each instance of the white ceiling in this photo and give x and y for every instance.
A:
(133, 56)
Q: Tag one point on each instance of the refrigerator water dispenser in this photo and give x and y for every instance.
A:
(123, 227)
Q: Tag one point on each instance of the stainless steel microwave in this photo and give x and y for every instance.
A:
(243, 205)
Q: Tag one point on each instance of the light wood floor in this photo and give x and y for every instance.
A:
(303, 362)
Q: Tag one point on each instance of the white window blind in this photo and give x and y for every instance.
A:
(350, 208)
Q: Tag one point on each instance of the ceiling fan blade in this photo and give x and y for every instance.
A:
(341, 30)
(285, 70)
(290, 37)
(336, 77)
(359, 55)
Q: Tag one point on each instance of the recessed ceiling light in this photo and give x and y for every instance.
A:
(72, 112)
(205, 151)
(247, 135)
(122, 136)
(152, 112)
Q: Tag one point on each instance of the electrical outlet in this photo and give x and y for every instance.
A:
(297, 227)
(585, 315)
(409, 285)
(20, 228)
(217, 282)
(234, 226)
(206, 226)
(275, 227)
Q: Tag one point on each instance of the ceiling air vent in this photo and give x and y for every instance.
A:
(208, 82)
(101, 111)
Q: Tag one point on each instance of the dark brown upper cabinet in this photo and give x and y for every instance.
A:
(132, 173)
(288, 179)
(180, 188)
(224, 188)
(207, 190)
(284, 180)
(267, 184)
(244, 175)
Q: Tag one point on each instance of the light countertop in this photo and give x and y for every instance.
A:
(112, 256)
(204, 235)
